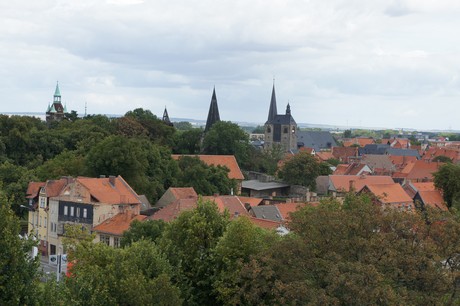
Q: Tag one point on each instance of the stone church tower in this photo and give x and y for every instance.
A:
(280, 129)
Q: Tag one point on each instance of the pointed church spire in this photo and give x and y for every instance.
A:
(273, 111)
(166, 117)
(288, 109)
(57, 94)
(213, 115)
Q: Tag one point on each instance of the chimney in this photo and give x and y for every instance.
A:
(112, 180)
(352, 185)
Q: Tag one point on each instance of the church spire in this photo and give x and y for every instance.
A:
(166, 117)
(57, 94)
(213, 115)
(273, 111)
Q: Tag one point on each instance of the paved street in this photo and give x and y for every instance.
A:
(48, 268)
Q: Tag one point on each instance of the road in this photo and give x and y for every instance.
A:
(48, 268)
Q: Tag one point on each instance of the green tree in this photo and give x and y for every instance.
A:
(442, 159)
(67, 163)
(447, 178)
(18, 271)
(303, 169)
(147, 230)
(135, 275)
(227, 138)
(206, 180)
(188, 142)
(188, 243)
(147, 167)
(183, 125)
(347, 134)
(157, 130)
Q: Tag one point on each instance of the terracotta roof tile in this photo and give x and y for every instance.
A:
(183, 192)
(287, 208)
(232, 203)
(251, 201)
(219, 160)
(118, 224)
(342, 182)
(433, 198)
(173, 210)
(263, 223)
(54, 187)
(361, 141)
(106, 193)
(389, 193)
(33, 189)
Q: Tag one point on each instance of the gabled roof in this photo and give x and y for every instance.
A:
(104, 192)
(352, 169)
(341, 183)
(286, 209)
(251, 201)
(183, 192)
(402, 160)
(378, 149)
(433, 198)
(33, 189)
(324, 155)
(402, 152)
(269, 212)
(231, 203)
(173, 210)
(316, 139)
(117, 224)
(258, 185)
(264, 223)
(53, 188)
(343, 153)
(378, 161)
(219, 160)
(360, 141)
(421, 170)
(388, 193)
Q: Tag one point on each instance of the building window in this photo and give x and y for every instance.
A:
(269, 130)
(85, 213)
(78, 212)
(42, 202)
(66, 209)
(105, 239)
(72, 210)
(116, 242)
(46, 221)
(40, 223)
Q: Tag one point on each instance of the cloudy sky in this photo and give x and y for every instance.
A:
(374, 63)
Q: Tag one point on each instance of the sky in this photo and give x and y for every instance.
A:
(349, 63)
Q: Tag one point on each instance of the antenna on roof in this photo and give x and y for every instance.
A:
(86, 104)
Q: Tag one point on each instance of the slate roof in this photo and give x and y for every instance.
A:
(378, 161)
(219, 160)
(378, 149)
(213, 114)
(316, 139)
(402, 152)
(269, 212)
(117, 224)
(258, 185)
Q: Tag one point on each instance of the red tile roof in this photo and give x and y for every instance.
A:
(118, 224)
(360, 141)
(433, 198)
(264, 223)
(231, 203)
(420, 170)
(228, 161)
(33, 189)
(324, 155)
(53, 188)
(389, 193)
(173, 210)
(342, 182)
(250, 201)
(103, 191)
(343, 153)
(183, 192)
(286, 209)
